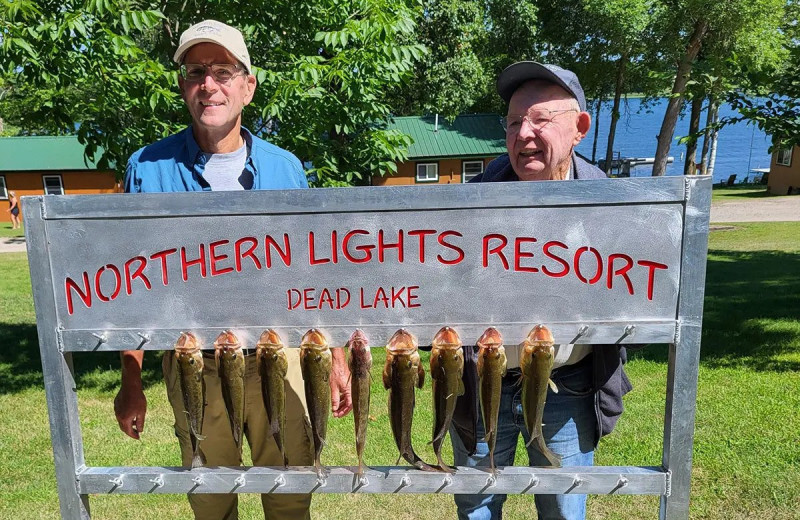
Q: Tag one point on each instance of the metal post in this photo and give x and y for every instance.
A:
(684, 353)
(59, 380)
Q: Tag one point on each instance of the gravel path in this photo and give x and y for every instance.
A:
(777, 209)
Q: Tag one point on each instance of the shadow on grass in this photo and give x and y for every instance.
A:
(21, 367)
(744, 191)
(751, 315)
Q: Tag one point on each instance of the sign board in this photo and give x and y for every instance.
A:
(473, 257)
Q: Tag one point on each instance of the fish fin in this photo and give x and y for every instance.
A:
(387, 376)
(216, 358)
(461, 387)
(553, 386)
(420, 376)
(198, 459)
(200, 437)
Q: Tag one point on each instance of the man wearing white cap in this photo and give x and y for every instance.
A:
(546, 119)
(216, 153)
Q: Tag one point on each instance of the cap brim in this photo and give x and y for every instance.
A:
(183, 49)
(515, 75)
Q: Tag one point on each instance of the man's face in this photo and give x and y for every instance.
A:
(216, 105)
(543, 151)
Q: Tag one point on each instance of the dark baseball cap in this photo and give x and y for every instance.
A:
(518, 73)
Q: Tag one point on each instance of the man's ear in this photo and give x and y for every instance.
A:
(250, 85)
(584, 122)
(181, 86)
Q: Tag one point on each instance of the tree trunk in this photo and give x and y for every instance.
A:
(713, 158)
(690, 166)
(674, 104)
(612, 129)
(596, 127)
(707, 136)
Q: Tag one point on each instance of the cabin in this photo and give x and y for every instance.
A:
(446, 152)
(784, 171)
(50, 165)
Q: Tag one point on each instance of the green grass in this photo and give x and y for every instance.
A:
(746, 455)
(7, 232)
(740, 192)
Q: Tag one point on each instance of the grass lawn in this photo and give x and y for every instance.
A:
(741, 192)
(6, 231)
(747, 443)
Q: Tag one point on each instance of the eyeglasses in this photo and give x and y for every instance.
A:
(537, 119)
(222, 73)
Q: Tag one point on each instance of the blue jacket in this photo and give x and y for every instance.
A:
(608, 374)
(176, 163)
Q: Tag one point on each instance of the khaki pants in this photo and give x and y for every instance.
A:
(220, 450)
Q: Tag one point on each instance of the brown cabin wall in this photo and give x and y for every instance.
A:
(449, 172)
(782, 178)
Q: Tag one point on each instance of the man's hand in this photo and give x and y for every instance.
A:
(341, 400)
(130, 404)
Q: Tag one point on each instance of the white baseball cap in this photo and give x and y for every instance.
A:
(212, 31)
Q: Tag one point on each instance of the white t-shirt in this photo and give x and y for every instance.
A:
(222, 170)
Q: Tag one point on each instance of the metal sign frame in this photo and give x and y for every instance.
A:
(670, 480)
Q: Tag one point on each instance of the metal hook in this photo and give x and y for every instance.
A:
(102, 338)
(240, 481)
(577, 481)
(198, 480)
(581, 332)
(629, 331)
(622, 482)
(117, 481)
(322, 481)
(158, 481)
(491, 481)
(447, 480)
(145, 337)
(280, 481)
(405, 481)
(363, 480)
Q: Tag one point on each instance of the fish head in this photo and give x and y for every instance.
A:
(187, 343)
(270, 340)
(401, 342)
(358, 341)
(314, 339)
(227, 340)
(446, 339)
(491, 339)
(539, 339)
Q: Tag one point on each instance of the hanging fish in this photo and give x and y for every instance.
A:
(315, 363)
(447, 368)
(491, 369)
(465, 417)
(189, 364)
(272, 367)
(360, 362)
(402, 373)
(230, 368)
(536, 362)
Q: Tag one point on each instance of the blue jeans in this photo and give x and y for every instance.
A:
(569, 430)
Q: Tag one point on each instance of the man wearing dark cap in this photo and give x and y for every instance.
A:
(546, 119)
(216, 153)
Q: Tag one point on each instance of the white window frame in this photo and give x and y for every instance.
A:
(60, 182)
(464, 168)
(427, 172)
(781, 156)
(3, 188)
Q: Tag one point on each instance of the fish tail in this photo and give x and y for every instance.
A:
(198, 458)
(285, 461)
(491, 462)
(443, 466)
(417, 462)
(553, 458)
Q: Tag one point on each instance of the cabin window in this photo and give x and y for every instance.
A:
(470, 169)
(427, 172)
(53, 185)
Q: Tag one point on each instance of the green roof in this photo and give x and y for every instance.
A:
(43, 153)
(476, 135)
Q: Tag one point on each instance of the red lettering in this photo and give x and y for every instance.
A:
(85, 294)
(421, 233)
(289, 294)
(138, 273)
(448, 245)
(218, 258)
(548, 254)
(312, 257)
(308, 298)
(162, 255)
(325, 299)
(380, 295)
(577, 265)
(519, 254)
(186, 264)
(366, 249)
(249, 252)
(285, 253)
(652, 266)
(496, 251)
(339, 304)
(117, 282)
(412, 297)
(361, 298)
(622, 271)
(397, 296)
(382, 246)
(334, 247)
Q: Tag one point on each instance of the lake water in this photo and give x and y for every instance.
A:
(740, 147)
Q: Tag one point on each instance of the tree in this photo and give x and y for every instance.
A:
(322, 66)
